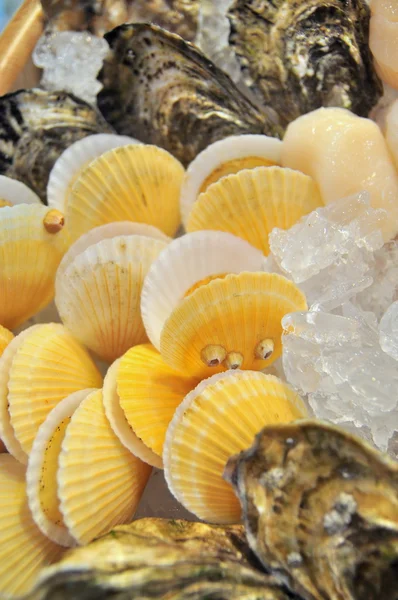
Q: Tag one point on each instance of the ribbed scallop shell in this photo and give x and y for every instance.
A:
(133, 183)
(222, 158)
(236, 313)
(185, 262)
(74, 159)
(13, 192)
(24, 550)
(41, 474)
(99, 481)
(252, 202)
(149, 392)
(7, 433)
(48, 365)
(105, 232)
(119, 422)
(5, 338)
(29, 257)
(98, 295)
(216, 420)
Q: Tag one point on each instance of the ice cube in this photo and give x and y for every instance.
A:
(71, 61)
(389, 331)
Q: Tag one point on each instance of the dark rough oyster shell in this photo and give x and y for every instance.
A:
(164, 91)
(155, 558)
(299, 55)
(36, 127)
(320, 509)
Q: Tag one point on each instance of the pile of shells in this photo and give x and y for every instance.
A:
(190, 326)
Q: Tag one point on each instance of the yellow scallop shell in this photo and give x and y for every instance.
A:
(251, 203)
(24, 550)
(132, 183)
(98, 294)
(149, 393)
(48, 365)
(5, 338)
(32, 243)
(120, 424)
(215, 421)
(99, 481)
(238, 315)
(41, 474)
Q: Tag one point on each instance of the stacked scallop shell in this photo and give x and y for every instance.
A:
(186, 325)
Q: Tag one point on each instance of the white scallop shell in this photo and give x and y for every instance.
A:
(16, 192)
(230, 148)
(183, 263)
(75, 158)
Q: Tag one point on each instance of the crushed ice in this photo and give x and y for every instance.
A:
(342, 353)
(64, 56)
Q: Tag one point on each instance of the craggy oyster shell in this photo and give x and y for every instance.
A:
(299, 55)
(36, 127)
(320, 509)
(155, 558)
(164, 91)
(99, 16)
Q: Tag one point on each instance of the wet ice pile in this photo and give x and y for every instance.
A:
(339, 353)
(64, 56)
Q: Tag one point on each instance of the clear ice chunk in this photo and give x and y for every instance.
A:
(389, 331)
(337, 235)
(70, 62)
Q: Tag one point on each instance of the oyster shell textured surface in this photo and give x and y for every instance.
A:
(320, 509)
(163, 91)
(36, 127)
(155, 558)
(299, 55)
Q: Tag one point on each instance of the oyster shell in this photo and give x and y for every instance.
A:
(164, 91)
(99, 16)
(320, 509)
(36, 127)
(155, 558)
(299, 55)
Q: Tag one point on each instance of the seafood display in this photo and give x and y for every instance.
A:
(320, 510)
(36, 127)
(164, 91)
(299, 55)
(216, 263)
(320, 515)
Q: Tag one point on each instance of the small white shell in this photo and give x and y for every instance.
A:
(16, 192)
(186, 261)
(231, 148)
(98, 293)
(74, 159)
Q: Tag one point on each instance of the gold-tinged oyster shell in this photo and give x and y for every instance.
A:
(320, 509)
(155, 558)
(163, 91)
(99, 16)
(36, 127)
(298, 55)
